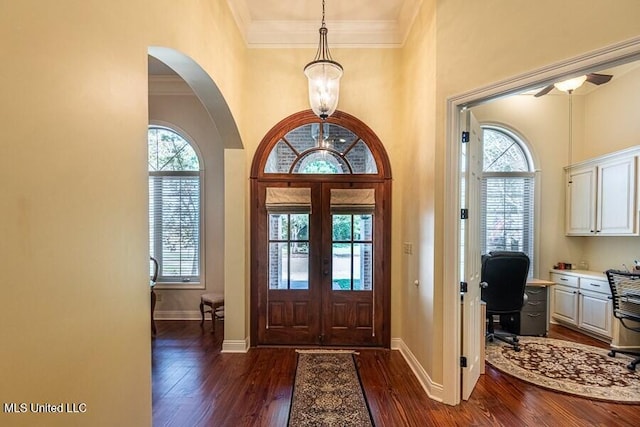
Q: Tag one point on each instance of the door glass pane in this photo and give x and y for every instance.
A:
(362, 266)
(362, 227)
(278, 266)
(278, 227)
(341, 267)
(288, 251)
(300, 227)
(299, 273)
(352, 252)
(341, 228)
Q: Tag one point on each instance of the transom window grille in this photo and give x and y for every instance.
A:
(175, 208)
(321, 148)
(508, 179)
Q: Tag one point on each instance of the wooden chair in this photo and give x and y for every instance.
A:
(152, 283)
(215, 302)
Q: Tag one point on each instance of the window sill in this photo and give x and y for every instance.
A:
(179, 285)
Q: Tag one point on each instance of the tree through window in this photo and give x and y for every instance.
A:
(507, 222)
(174, 206)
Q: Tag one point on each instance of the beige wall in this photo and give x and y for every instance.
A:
(419, 305)
(74, 311)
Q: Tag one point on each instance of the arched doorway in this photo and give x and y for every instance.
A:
(320, 234)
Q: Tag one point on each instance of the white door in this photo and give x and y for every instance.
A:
(471, 321)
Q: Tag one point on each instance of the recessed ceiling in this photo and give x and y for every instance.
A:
(351, 23)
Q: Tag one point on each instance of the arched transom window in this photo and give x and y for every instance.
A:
(321, 148)
(507, 222)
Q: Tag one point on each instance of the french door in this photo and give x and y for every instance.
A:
(319, 264)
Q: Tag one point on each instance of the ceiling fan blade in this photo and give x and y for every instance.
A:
(544, 91)
(598, 79)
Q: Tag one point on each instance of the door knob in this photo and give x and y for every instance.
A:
(484, 285)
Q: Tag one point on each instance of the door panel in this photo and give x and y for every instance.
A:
(352, 246)
(470, 253)
(288, 303)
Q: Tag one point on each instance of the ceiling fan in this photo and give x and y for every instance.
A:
(572, 84)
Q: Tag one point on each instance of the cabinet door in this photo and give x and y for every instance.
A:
(595, 313)
(581, 201)
(616, 202)
(565, 304)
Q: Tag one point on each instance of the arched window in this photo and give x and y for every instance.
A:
(326, 148)
(175, 207)
(507, 222)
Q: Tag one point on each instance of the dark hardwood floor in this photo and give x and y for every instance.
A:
(196, 385)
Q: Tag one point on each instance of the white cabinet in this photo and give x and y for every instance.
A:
(565, 304)
(595, 313)
(581, 300)
(581, 201)
(601, 196)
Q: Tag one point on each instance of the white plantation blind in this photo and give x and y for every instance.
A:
(508, 216)
(174, 218)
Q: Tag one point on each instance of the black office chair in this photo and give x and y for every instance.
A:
(504, 278)
(625, 295)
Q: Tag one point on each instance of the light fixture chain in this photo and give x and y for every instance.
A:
(323, 13)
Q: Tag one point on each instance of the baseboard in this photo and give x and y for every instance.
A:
(178, 315)
(433, 390)
(235, 346)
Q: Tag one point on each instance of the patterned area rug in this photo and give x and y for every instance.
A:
(569, 368)
(327, 391)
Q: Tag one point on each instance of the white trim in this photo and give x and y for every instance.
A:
(262, 33)
(433, 390)
(235, 346)
(616, 54)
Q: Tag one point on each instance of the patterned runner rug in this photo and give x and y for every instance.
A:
(569, 368)
(327, 391)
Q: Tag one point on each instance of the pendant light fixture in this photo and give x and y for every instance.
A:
(324, 76)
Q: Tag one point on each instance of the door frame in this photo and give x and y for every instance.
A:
(612, 55)
(382, 179)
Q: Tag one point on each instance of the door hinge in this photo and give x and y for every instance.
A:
(464, 213)
(465, 136)
(463, 287)
(463, 361)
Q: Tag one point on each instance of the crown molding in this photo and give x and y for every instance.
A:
(168, 85)
(342, 33)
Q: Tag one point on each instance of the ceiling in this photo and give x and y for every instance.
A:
(351, 23)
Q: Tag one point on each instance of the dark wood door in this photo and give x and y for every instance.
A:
(321, 267)
(352, 265)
